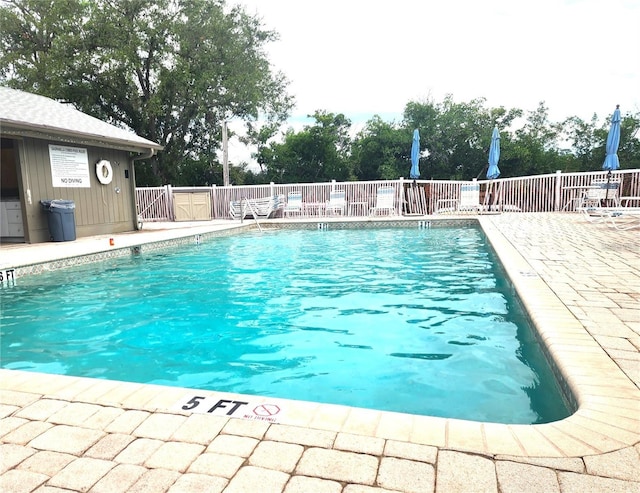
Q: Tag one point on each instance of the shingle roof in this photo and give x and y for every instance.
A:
(45, 118)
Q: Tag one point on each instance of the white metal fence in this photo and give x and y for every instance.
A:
(539, 193)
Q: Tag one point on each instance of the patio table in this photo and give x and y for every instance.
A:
(575, 195)
(315, 209)
(355, 207)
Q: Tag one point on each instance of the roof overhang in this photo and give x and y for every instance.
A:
(23, 129)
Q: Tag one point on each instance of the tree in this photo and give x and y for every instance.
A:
(456, 136)
(462, 130)
(537, 143)
(171, 70)
(584, 140)
(381, 151)
(319, 152)
(629, 151)
(36, 41)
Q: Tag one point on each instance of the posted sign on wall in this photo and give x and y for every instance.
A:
(69, 166)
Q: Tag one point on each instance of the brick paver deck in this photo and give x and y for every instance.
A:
(581, 283)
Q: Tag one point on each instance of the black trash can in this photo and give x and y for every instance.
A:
(61, 219)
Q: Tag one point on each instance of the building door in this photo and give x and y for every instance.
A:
(11, 223)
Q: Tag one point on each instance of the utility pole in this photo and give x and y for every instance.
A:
(225, 154)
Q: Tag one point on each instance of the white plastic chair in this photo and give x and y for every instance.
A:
(385, 201)
(294, 204)
(337, 203)
(469, 200)
(469, 197)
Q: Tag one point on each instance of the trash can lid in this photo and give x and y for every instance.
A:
(63, 204)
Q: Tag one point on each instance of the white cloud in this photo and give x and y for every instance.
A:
(362, 58)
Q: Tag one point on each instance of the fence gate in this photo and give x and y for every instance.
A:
(154, 203)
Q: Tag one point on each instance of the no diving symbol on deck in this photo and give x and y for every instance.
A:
(221, 404)
(266, 410)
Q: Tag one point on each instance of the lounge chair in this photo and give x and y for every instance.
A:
(266, 207)
(626, 201)
(337, 203)
(469, 200)
(294, 204)
(415, 203)
(621, 218)
(270, 207)
(385, 202)
(237, 209)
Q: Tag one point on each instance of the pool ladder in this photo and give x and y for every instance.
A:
(253, 212)
(424, 224)
(323, 226)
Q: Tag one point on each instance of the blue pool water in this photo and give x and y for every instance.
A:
(409, 320)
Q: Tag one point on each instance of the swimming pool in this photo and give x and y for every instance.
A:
(409, 320)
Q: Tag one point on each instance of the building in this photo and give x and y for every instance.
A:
(50, 150)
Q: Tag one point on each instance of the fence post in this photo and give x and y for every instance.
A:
(214, 202)
(169, 202)
(558, 190)
(272, 189)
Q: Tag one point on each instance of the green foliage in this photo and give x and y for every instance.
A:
(454, 140)
(381, 151)
(456, 136)
(629, 151)
(585, 139)
(319, 152)
(171, 70)
(37, 39)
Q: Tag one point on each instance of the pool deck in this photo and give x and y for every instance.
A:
(580, 283)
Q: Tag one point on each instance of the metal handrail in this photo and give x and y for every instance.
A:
(253, 212)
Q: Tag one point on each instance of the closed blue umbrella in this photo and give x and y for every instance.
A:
(415, 156)
(611, 161)
(494, 155)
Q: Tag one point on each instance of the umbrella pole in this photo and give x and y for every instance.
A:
(497, 200)
(487, 195)
(413, 194)
(421, 206)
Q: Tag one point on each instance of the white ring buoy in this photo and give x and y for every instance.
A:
(104, 171)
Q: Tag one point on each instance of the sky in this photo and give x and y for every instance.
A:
(365, 57)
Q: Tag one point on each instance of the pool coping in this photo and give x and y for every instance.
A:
(607, 400)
